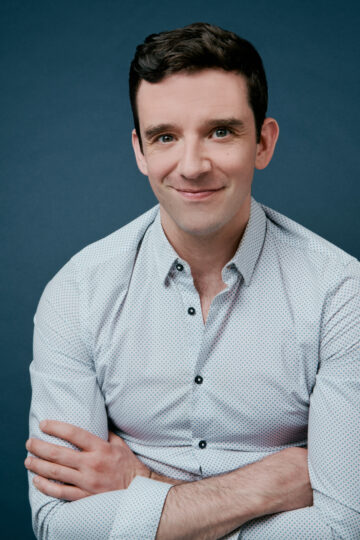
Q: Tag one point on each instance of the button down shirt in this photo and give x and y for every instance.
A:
(119, 336)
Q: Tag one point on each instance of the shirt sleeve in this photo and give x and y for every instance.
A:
(65, 387)
(334, 430)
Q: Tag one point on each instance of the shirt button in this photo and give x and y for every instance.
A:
(198, 379)
(191, 311)
(202, 444)
(179, 267)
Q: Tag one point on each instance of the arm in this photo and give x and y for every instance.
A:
(214, 507)
(334, 433)
(65, 387)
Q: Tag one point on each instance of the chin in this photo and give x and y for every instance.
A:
(200, 229)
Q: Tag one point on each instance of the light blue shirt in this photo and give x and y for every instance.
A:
(276, 365)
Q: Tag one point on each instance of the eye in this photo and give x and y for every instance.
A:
(221, 132)
(166, 138)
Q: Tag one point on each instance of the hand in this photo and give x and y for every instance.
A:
(100, 466)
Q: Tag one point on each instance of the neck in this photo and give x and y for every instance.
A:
(206, 254)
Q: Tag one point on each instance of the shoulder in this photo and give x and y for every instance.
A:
(104, 261)
(121, 244)
(298, 245)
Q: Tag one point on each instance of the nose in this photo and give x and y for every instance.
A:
(193, 162)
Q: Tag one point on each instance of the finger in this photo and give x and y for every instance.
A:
(79, 437)
(52, 471)
(54, 452)
(59, 491)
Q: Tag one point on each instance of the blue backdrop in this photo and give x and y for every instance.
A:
(68, 176)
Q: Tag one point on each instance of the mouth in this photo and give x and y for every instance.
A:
(197, 194)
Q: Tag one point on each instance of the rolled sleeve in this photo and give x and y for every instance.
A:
(144, 503)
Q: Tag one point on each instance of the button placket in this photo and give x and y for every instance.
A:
(194, 327)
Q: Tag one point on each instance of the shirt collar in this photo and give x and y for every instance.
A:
(244, 259)
(248, 251)
(165, 254)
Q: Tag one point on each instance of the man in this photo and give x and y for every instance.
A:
(218, 339)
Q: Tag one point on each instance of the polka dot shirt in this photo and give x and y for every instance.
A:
(119, 337)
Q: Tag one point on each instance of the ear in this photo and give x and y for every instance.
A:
(139, 156)
(266, 146)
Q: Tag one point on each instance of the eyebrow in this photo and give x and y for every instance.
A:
(226, 122)
(231, 122)
(152, 131)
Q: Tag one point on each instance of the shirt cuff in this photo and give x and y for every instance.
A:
(140, 514)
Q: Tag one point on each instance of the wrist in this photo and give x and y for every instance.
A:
(160, 478)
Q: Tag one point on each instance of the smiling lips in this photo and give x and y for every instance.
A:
(197, 195)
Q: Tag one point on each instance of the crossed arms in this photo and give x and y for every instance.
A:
(207, 509)
(67, 388)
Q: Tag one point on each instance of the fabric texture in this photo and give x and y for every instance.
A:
(276, 365)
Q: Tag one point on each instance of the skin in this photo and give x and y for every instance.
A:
(96, 469)
(199, 153)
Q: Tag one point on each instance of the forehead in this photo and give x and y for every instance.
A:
(206, 93)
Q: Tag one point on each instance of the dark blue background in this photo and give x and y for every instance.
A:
(68, 176)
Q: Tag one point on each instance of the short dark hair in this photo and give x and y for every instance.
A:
(193, 48)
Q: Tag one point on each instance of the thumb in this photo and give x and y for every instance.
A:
(116, 440)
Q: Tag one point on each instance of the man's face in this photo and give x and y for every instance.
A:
(200, 151)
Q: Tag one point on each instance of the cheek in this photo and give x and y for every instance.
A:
(239, 161)
(160, 166)
(233, 167)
